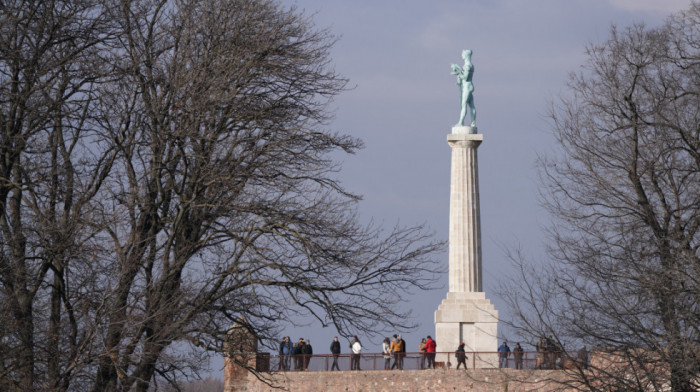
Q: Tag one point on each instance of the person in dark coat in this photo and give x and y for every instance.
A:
(298, 359)
(553, 352)
(306, 351)
(518, 356)
(403, 351)
(461, 356)
(286, 348)
(335, 350)
(583, 357)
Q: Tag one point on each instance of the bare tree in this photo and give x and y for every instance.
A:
(166, 169)
(48, 64)
(624, 194)
(169, 172)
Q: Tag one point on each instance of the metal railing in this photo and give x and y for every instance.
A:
(418, 361)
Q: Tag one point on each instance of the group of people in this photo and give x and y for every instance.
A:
(504, 353)
(426, 349)
(549, 355)
(355, 351)
(396, 349)
(301, 353)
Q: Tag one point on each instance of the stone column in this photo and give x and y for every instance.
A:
(466, 315)
(465, 221)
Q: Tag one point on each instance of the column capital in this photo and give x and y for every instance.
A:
(465, 140)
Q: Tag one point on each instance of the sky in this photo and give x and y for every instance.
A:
(404, 101)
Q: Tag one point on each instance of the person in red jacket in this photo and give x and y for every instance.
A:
(430, 346)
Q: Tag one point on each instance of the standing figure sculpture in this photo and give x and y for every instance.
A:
(466, 87)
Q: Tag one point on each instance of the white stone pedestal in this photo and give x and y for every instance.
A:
(466, 315)
(468, 318)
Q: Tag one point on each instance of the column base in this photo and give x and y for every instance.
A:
(472, 319)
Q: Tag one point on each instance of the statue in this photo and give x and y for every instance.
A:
(466, 87)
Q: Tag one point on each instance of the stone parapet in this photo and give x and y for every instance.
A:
(413, 380)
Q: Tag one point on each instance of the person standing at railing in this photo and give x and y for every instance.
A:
(386, 350)
(398, 348)
(541, 353)
(402, 350)
(395, 351)
(335, 350)
(298, 359)
(518, 356)
(285, 353)
(503, 353)
(421, 352)
(307, 351)
(355, 356)
(583, 357)
(552, 352)
(461, 356)
(430, 347)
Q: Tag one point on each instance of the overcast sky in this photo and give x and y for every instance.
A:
(397, 54)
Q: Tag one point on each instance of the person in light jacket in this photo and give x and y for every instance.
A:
(386, 350)
(356, 347)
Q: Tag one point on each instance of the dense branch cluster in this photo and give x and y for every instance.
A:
(165, 169)
(625, 197)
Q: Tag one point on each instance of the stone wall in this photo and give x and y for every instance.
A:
(484, 380)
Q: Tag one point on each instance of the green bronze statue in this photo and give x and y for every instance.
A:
(466, 87)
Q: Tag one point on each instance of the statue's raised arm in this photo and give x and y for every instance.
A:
(466, 87)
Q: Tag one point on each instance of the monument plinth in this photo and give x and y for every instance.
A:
(466, 315)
